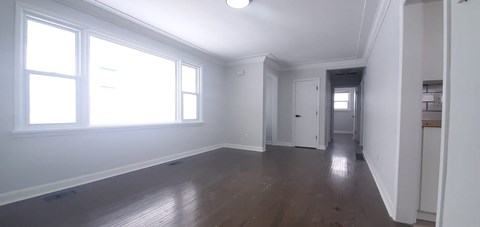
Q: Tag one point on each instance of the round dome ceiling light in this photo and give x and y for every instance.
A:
(238, 4)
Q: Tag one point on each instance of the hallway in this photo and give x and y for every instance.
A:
(282, 187)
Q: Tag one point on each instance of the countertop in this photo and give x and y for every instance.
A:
(432, 123)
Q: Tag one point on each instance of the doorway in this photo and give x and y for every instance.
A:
(344, 114)
(346, 111)
(271, 109)
(421, 92)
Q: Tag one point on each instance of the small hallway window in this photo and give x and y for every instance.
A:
(341, 101)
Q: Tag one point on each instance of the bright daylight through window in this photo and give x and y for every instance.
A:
(128, 86)
(51, 69)
(341, 100)
(124, 85)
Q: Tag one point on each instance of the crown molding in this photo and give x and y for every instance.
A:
(362, 24)
(333, 64)
(377, 24)
(104, 12)
(273, 64)
(251, 59)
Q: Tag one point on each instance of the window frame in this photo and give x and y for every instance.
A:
(22, 113)
(137, 47)
(25, 73)
(348, 102)
(197, 94)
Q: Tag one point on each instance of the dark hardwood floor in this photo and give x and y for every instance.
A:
(282, 187)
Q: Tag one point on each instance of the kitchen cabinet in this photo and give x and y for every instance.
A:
(430, 169)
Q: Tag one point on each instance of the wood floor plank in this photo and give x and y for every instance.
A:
(283, 186)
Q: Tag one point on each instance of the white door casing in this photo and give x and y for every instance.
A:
(353, 98)
(305, 114)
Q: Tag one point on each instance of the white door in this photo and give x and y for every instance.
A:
(305, 113)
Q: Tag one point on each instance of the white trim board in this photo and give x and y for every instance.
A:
(330, 64)
(258, 58)
(284, 144)
(380, 14)
(426, 216)
(243, 147)
(381, 188)
(343, 132)
(444, 151)
(35, 191)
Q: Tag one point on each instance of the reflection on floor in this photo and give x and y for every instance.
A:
(284, 186)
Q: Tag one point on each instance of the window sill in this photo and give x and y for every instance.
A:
(98, 129)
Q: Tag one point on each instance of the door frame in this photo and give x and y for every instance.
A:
(274, 95)
(317, 81)
(354, 115)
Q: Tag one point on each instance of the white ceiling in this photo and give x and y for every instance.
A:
(294, 32)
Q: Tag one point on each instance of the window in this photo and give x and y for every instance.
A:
(189, 92)
(341, 101)
(51, 72)
(128, 86)
(119, 85)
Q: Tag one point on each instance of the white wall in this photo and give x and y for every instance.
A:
(244, 109)
(460, 197)
(343, 121)
(410, 141)
(285, 103)
(381, 106)
(422, 60)
(328, 111)
(432, 40)
(33, 161)
(362, 114)
(358, 112)
(392, 129)
(269, 108)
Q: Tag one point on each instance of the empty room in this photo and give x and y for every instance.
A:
(332, 113)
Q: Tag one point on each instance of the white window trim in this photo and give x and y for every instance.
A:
(348, 102)
(22, 109)
(198, 93)
(23, 128)
(99, 129)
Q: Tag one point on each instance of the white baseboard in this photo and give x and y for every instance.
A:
(343, 132)
(426, 216)
(322, 147)
(244, 147)
(285, 144)
(269, 142)
(31, 192)
(381, 187)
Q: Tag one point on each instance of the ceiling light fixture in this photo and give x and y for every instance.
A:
(238, 4)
